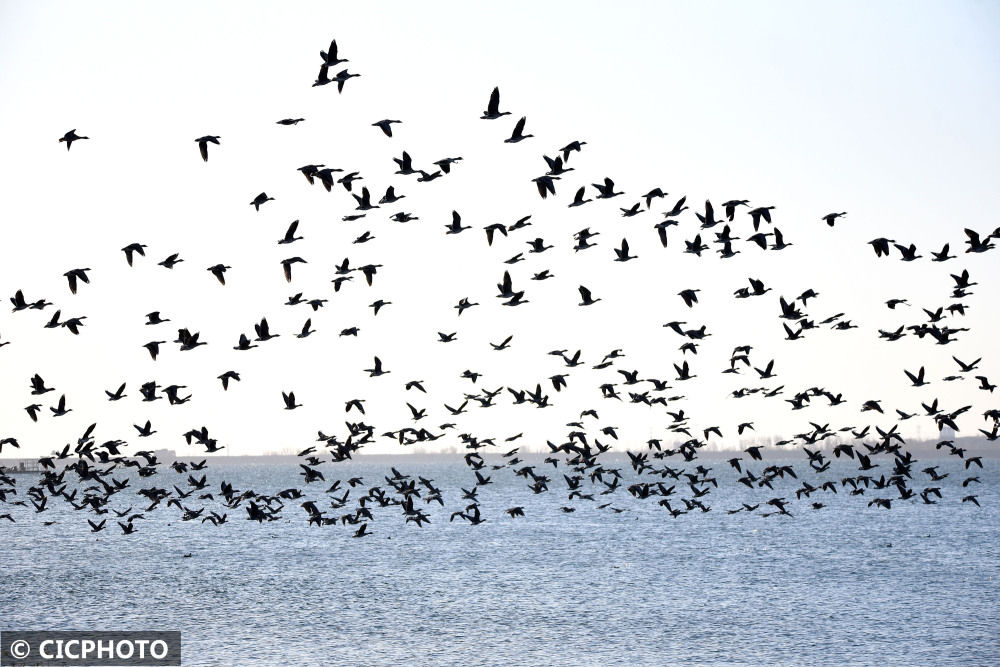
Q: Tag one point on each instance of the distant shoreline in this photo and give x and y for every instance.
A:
(922, 449)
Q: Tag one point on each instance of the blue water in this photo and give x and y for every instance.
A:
(843, 585)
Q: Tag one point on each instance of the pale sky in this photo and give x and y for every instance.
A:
(884, 110)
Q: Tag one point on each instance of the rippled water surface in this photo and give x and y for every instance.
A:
(846, 584)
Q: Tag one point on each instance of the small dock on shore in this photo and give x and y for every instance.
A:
(24, 466)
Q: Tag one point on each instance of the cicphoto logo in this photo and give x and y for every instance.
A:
(90, 648)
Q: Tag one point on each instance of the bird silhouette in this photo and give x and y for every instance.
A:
(203, 144)
(70, 137)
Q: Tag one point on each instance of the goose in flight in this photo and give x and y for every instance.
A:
(70, 137)
(260, 200)
(227, 376)
(908, 253)
(74, 275)
(518, 134)
(323, 78)
(219, 271)
(290, 236)
(132, 249)
(730, 207)
(386, 126)
(33, 410)
(342, 77)
(546, 185)
(690, 297)
(286, 266)
(607, 189)
(329, 56)
(153, 347)
(171, 261)
(503, 345)
(587, 299)
(881, 246)
(456, 224)
(578, 199)
(831, 218)
(203, 144)
(708, 219)
(390, 196)
(493, 108)
(976, 244)
(761, 212)
(622, 254)
(263, 331)
(967, 367)
(445, 163)
(943, 255)
(60, 408)
(117, 395)
(377, 369)
(364, 200)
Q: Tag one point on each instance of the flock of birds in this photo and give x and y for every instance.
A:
(90, 474)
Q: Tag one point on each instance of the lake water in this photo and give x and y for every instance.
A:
(842, 585)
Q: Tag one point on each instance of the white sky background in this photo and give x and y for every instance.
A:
(886, 110)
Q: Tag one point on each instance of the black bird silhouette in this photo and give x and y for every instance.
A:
(60, 408)
(493, 108)
(831, 218)
(171, 261)
(918, 379)
(74, 275)
(342, 77)
(290, 236)
(518, 134)
(606, 189)
(70, 137)
(203, 144)
(622, 254)
(219, 271)
(376, 370)
(578, 199)
(330, 56)
(289, 400)
(908, 253)
(386, 126)
(587, 299)
(131, 250)
(286, 266)
(118, 394)
(260, 200)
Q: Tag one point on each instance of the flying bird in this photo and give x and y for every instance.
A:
(493, 108)
(203, 144)
(70, 137)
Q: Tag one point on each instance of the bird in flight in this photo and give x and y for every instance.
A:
(203, 144)
(493, 108)
(70, 137)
